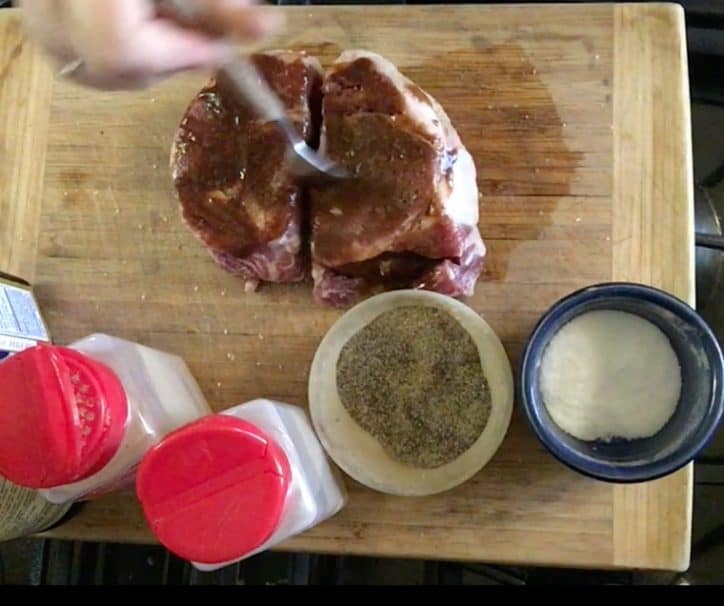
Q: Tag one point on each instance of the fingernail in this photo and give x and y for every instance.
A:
(271, 21)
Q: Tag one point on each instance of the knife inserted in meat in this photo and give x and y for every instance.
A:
(408, 217)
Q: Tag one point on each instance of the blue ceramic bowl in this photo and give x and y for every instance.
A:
(700, 405)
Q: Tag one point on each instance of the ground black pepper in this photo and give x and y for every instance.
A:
(413, 379)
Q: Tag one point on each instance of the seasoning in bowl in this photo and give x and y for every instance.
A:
(610, 374)
(411, 392)
(413, 379)
(622, 382)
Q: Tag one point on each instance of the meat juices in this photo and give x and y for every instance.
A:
(228, 169)
(409, 219)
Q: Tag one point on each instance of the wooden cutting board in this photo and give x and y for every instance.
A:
(578, 120)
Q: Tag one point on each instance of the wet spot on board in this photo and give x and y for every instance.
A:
(508, 120)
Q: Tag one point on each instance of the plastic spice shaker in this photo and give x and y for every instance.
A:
(76, 421)
(231, 485)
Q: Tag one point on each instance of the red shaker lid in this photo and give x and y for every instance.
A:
(214, 490)
(62, 416)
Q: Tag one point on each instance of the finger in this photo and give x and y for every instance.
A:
(241, 20)
(100, 30)
(254, 23)
(124, 39)
(159, 46)
(42, 19)
(111, 82)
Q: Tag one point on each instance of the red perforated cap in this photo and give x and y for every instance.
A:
(213, 491)
(62, 416)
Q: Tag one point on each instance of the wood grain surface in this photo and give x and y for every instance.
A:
(577, 117)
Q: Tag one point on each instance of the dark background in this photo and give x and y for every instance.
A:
(36, 561)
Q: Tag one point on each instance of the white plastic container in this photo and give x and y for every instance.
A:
(231, 485)
(89, 414)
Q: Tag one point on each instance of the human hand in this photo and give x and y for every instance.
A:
(117, 44)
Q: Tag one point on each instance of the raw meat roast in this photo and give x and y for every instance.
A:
(407, 219)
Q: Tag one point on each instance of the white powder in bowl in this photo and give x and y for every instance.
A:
(610, 374)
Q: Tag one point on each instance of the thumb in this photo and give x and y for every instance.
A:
(241, 20)
(159, 46)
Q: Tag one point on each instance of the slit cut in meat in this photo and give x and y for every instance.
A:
(229, 174)
(409, 218)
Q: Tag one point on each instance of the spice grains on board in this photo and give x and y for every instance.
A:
(413, 379)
